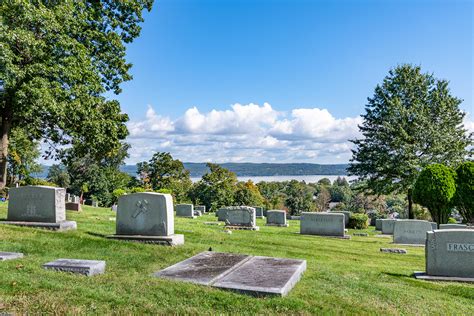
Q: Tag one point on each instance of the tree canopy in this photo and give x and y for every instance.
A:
(411, 121)
(464, 196)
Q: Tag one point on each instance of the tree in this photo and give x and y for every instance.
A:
(23, 154)
(57, 59)
(340, 181)
(411, 121)
(58, 174)
(164, 172)
(247, 193)
(324, 181)
(322, 199)
(299, 197)
(216, 188)
(434, 188)
(464, 196)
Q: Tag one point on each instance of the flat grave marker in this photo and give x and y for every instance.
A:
(10, 255)
(84, 267)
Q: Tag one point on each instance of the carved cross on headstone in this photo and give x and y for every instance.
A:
(141, 207)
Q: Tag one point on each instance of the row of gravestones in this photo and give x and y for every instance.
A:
(149, 217)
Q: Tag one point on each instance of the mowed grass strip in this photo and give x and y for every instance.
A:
(342, 277)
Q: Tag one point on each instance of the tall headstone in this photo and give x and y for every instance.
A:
(276, 218)
(185, 210)
(450, 253)
(452, 226)
(38, 206)
(411, 231)
(146, 217)
(323, 224)
(387, 226)
(241, 217)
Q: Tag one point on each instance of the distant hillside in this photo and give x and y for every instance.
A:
(250, 169)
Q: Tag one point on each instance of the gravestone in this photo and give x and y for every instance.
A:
(323, 224)
(388, 226)
(254, 275)
(378, 224)
(393, 250)
(452, 226)
(201, 208)
(95, 204)
(449, 255)
(146, 217)
(221, 214)
(75, 199)
(258, 211)
(347, 216)
(71, 206)
(411, 231)
(185, 210)
(85, 267)
(68, 197)
(38, 206)
(10, 255)
(276, 218)
(197, 213)
(241, 217)
(434, 225)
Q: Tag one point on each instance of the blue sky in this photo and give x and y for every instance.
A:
(280, 81)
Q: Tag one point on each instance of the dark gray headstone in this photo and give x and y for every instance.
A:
(276, 218)
(258, 211)
(85, 267)
(201, 208)
(185, 210)
(10, 255)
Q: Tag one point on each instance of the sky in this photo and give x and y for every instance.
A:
(281, 80)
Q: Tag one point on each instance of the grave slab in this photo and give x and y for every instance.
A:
(10, 255)
(85, 267)
(252, 275)
(393, 250)
(360, 234)
(61, 226)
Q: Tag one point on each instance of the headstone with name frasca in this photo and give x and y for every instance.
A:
(146, 217)
(38, 206)
(452, 226)
(241, 217)
(411, 231)
(449, 255)
(323, 224)
(276, 218)
(388, 226)
(185, 210)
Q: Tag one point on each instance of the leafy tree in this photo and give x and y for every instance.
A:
(340, 181)
(273, 194)
(464, 196)
(23, 154)
(299, 197)
(434, 189)
(324, 181)
(322, 199)
(58, 174)
(164, 172)
(216, 188)
(340, 193)
(57, 59)
(247, 193)
(411, 121)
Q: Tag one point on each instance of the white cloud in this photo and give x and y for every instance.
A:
(245, 133)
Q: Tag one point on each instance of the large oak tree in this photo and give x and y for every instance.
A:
(411, 121)
(57, 60)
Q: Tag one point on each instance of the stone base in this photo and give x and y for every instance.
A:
(172, 240)
(10, 255)
(409, 245)
(64, 225)
(85, 267)
(241, 227)
(327, 236)
(278, 225)
(423, 276)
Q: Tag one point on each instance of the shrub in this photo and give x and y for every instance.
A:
(434, 189)
(137, 190)
(452, 221)
(358, 221)
(463, 198)
(116, 194)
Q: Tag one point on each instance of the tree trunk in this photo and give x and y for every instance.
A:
(5, 126)
(410, 205)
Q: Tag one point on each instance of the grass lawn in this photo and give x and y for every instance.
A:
(342, 276)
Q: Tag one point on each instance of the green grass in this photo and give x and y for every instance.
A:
(342, 276)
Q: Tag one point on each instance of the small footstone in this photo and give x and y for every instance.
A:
(393, 250)
(361, 234)
(10, 255)
(85, 267)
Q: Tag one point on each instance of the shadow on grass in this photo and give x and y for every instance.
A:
(96, 234)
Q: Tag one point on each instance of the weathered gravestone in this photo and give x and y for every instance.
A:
(185, 210)
(146, 217)
(434, 225)
(258, 211)
(85, 267)
(378, 224)
(347, 216)
(221, 214)
(71, 206)
(323, 224)
(200, 208)
(388, 226)
(252, 275)
(276, 218)
(38, 206)
(241, 217)
(452, 226)
(411, 231)
(449, 255)
(10, 255)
